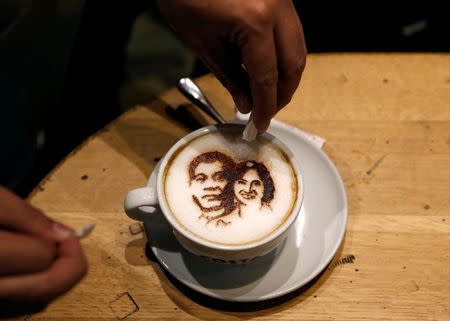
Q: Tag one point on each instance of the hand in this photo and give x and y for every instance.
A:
(265, 36)
(39, 258)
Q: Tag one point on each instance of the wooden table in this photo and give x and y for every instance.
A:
(386, 119)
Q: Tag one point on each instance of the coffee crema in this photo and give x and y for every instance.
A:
(229, 191)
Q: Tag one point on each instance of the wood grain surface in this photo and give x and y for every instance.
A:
(386, 119)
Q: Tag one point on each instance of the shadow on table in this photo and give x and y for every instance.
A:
(142, 141)
(274, 305)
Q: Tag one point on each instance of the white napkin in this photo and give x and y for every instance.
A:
(250, 130)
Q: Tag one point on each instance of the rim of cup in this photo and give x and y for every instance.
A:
(213, 245)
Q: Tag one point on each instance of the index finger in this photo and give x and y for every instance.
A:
(291, 54)
(18, 215)
(260, 60)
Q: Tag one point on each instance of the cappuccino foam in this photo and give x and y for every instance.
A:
(229, 191)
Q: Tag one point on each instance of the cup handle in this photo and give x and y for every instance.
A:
(139, 197)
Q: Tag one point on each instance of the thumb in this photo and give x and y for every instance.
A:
(18, 215)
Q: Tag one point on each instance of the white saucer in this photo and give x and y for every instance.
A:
(308, 249)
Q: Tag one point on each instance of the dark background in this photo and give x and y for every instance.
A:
(100, 63)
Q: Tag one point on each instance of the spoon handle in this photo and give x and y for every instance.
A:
(192, 92)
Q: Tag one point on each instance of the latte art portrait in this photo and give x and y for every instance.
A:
(221, 187)
(228, 191)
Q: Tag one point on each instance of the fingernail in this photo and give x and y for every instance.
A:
(63, 232)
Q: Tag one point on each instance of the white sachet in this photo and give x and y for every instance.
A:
(84, 231)
(250, 131)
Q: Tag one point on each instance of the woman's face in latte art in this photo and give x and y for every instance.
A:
(249, 188)
(208, 183)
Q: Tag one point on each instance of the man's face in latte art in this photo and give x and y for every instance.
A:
(207, 180)
(249, 188)
(207, 184)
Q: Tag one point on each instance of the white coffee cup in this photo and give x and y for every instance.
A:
(153, 199)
